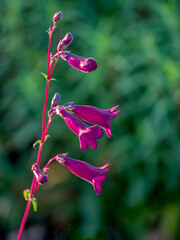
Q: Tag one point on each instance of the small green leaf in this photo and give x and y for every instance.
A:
(48, 32)
(26, 194)
(46, 137)
(37, 142)
(34, 203)
(44, 75)
(52, 79)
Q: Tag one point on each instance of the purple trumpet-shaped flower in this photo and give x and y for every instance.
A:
(80, 63)
(91, 174)
(87, 134)
(94, 115)
(65, 42)
(41, 178)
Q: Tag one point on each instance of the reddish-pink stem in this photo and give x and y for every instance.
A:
(44, 132)
(53, 68)
(47, 86)
(45, 107)
(33, 185)
(49, 162)
(26, 213)
(24, 220)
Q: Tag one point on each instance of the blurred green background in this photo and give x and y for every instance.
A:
(137, 46)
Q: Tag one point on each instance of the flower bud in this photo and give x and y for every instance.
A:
(41, 178)
(55, 100)
(65, 42)
(57, 16)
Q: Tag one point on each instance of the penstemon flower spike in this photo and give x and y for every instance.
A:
(72, 115)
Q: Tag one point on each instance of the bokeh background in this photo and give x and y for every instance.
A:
(137, 46)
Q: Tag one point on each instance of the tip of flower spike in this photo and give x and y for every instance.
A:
(57, 16)
(55, 100)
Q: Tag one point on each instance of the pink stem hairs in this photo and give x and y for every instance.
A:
(72, 115)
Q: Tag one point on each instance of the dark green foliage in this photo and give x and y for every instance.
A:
(137, 47)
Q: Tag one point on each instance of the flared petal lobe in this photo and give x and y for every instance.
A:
(94, 115)
(88, 135)
(91, 174)
(83, 64)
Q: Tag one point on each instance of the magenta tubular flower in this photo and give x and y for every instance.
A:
(93, 175)
(41, 178)
(80, 63)
(87, 134)
(65, 42)
(94, 115)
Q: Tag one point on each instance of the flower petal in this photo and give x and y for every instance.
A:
(94, 115)
(87, 134)
(91, 174)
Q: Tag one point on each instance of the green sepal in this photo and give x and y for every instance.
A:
(26, 194)
(44, 75)
(52, 79)
(34, 204)
(37, 142)
(46, 137)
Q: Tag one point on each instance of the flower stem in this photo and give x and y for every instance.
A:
(26, 213)
(45, 107)
(44, 132)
